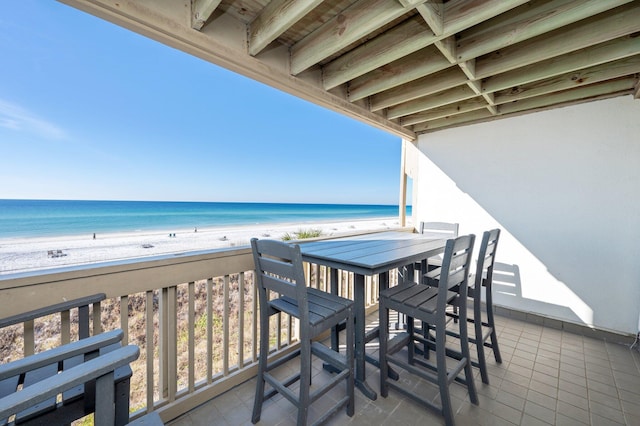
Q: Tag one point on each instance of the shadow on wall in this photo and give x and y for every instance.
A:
(507, 285)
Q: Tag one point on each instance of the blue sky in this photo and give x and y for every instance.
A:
(89, 110)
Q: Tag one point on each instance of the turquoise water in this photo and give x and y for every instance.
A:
(49, 218)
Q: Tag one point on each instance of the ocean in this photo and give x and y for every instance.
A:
(51, 218)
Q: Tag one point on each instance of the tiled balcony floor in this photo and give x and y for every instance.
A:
(547, 377)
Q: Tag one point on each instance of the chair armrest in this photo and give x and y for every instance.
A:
(80, 374)
(81, 347)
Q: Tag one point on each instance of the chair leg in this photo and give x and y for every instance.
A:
(494, 346)
(411, 346)
(383, 335)
(491, 323)
(122, 402)
(443, 379)
(482, 361)
(305, 380)
(464, 349)
(350, 342)
(262, 365)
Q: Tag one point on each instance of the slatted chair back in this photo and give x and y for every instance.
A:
(281, 272)
(486, 260)
(454, 274)
(485, 329)
(439, 229)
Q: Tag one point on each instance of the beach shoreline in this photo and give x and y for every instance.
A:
(18, 255)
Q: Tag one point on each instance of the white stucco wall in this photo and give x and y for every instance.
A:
(564, 187)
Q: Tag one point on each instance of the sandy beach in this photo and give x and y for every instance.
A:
(29, 254)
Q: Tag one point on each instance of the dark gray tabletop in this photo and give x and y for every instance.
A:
(372, 254)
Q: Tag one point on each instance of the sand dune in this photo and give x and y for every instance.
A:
(28, 254)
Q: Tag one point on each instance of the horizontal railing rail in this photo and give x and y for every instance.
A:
(193, 315)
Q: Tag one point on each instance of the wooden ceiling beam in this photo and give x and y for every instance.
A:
(598, 29)
(526, 22)
(592, 90)
(411, 36)
(347, 27)
(481, 116)
(462, 14)
(603, 72)
(432, 11)
(406, 38)
(425, 86)
(594, 55)
(275, 19)
(469, 69)
(419, 64)
(445, 111)
(435, 100)
(452, 120)
(447, 46)
(201, 10)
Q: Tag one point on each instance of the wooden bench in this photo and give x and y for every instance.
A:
(76, 401)
(40, 402)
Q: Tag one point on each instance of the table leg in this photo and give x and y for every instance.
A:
(360, 338)
(335, 331)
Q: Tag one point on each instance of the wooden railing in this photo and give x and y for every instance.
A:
(193, 315)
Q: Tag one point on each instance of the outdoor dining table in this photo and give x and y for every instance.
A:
(368, 255)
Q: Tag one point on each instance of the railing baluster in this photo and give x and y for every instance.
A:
(65, 327)
(367, 290)
(225, 325)
(97, 319)
(149, 349)
(292, 329)
(163, 343)
(241, 320)
(307, 274)
(29, 338)
(278, 330)
(209, 330)
(172, 342)
(191, 325)
(124, 318)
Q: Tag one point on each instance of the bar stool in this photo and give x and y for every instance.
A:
(484, 329)
(279, 271)
(428, 304)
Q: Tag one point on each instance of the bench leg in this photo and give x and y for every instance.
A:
(105, 414)
(122, 402)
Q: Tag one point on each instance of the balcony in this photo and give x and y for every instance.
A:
(200, 366)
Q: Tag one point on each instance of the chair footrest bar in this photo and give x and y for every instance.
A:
(339, 406)
(398, 341)
(326, 354)
(313, 396)
(426, 375)
(278, 362)
(282, 388)
(371, 335)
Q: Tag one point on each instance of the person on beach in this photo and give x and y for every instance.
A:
(94, 235)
